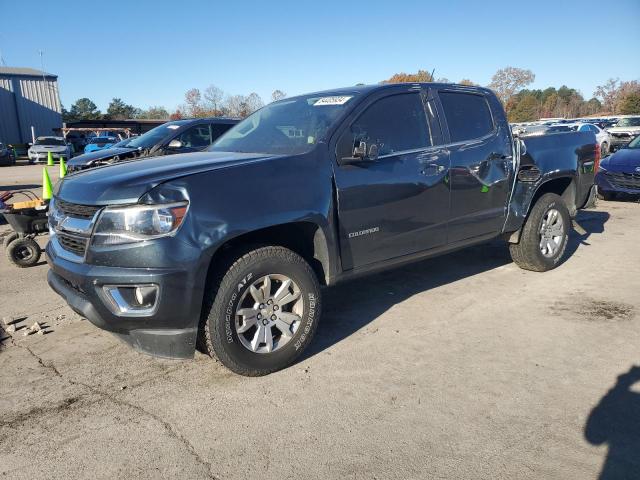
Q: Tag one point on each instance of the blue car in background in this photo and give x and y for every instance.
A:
(100, 143)
(620, 172)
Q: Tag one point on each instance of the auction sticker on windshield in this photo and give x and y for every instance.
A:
(340, 100)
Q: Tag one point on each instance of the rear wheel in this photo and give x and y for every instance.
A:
(262, 312)
(544, 236)
(24, 252)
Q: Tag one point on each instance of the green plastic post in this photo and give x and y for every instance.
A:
(50, 159)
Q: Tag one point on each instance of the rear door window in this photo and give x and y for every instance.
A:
(468, 115)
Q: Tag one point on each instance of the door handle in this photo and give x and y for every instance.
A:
(431, 170)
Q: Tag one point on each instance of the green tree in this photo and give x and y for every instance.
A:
(84, 109)
(630, 104)
(118, 110)
(524, 110)
(155, 113)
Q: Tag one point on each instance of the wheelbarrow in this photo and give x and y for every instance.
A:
(28, 219)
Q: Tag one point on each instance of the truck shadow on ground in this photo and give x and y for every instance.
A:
(351, 306)
(615, 421)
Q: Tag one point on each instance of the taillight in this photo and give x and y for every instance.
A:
(597, 160)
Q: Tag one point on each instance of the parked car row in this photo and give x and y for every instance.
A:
(611, 135)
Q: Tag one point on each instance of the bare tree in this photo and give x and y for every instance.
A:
(278, 95)
(508, 81)
(213, 97)
(608, 93)
(235, 105)
(193, 99)
(466, 81)
(254, 102)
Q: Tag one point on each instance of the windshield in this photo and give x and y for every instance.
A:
(290, 126)
(156, 135)
(49, 141)
(635, 143)
(629, 122)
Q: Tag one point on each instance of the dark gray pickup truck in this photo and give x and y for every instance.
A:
(231, 247)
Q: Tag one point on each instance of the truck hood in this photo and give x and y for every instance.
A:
(89, 158)
(622, 160)
(126, 182)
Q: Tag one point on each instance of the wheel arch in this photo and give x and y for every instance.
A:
(305, 238)
(564, 186)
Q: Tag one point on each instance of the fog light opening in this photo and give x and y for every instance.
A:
(132, 300)
(146, 296)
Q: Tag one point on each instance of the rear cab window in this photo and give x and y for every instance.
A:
(467, 114)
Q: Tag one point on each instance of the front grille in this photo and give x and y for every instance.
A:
(624, 180)
(72, 243)
(76, 210)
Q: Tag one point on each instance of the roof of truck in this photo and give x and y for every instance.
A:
(360, 89)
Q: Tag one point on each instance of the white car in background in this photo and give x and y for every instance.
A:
(602, 136)
(58, 146)
(624, 131)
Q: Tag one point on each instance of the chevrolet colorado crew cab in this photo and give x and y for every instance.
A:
(229, 248)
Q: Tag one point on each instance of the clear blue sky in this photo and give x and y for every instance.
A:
(151, 52)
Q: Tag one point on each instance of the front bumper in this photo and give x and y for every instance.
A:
(170, 331)
(617, 142)
(618, 182)
(44, 156)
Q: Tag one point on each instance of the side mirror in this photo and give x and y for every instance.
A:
(175, 144)
(360, 154)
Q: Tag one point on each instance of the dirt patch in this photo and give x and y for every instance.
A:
(597, 310)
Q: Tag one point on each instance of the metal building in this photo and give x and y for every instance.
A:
(28, 98)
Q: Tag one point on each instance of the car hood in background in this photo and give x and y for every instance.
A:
(623, 160)
(126, 182)
(88, 158)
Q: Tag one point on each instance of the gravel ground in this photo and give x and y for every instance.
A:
(458, 367)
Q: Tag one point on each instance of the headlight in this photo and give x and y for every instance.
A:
(118, 225)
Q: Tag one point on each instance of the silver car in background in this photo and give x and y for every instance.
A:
(58, 147)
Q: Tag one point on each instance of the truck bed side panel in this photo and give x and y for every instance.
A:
(562, 155)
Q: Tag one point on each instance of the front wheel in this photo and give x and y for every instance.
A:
(544, 236)
(263, 311)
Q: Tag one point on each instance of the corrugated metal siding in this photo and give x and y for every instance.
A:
(27, 101)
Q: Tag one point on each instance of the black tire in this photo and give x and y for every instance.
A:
(527, 253)
(9, 238)
(225, 291)
(604, 149)
(24, 252)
